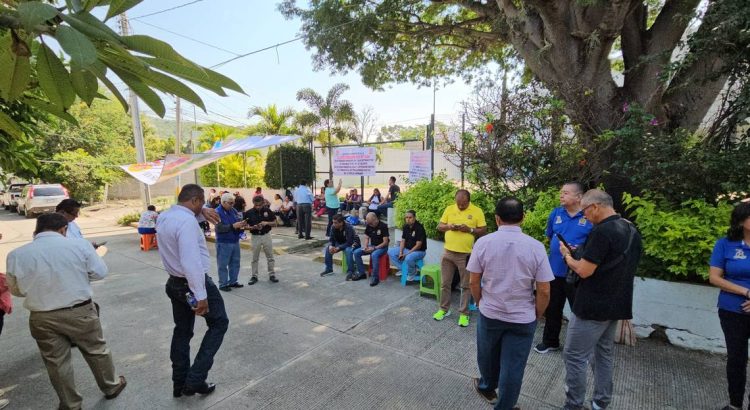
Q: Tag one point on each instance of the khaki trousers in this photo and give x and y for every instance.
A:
(266, 243)
(452, 260)
(54, 332)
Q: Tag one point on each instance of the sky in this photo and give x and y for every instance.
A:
(273, 76)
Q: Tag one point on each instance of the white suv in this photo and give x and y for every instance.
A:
(36, 199)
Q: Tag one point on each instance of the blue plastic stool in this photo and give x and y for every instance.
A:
(405, 271)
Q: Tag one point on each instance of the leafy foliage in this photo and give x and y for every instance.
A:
(289, 165)
(233, 170)
(129, 218)
(272, 121)
(34, 76)
(677, 242)
(81, 173)
(537, 207)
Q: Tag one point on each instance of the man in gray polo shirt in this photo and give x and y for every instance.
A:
(505, 268)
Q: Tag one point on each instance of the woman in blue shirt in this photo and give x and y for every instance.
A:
(730, 271)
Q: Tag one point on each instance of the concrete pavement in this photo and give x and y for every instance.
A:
(315, 343)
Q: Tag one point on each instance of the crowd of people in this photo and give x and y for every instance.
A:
(591, 262)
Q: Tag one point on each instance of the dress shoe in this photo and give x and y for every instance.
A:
(204, 389)
(225, 288)
(374, 282)
(307, 238)
(326, 272)
(300, 236)
(177, 391)
(236, 285)
(273, 279)
(119, 389)
(349, 276)
(253, 281)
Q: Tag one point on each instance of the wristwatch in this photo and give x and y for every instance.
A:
(472, 230)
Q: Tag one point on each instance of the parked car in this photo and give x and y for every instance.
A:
(11, 195)
(36, 199)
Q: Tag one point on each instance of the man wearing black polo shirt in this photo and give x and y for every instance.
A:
(606, 269)
(259, 221)
(376, 244)
(413, 245)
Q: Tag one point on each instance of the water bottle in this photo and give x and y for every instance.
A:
(191, 300)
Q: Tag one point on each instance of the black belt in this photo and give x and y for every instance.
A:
(77, 305)
(178, 279)
(260, 234)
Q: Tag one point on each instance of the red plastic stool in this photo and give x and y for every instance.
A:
(148, 241)
(384, 268)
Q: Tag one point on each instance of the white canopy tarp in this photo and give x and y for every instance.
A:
(173, 165)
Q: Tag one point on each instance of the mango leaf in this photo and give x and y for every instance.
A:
(84, 22)
(195, 76)
(84, 83)
(34, 13)
(100, 70)
(120, 6)
(143, 91)
(89, 5)
(50, 108)
(223, 80)
(53, 78)
(80, 49)
(153, 47)
(16, 70)
(9, 126)
(155, 79)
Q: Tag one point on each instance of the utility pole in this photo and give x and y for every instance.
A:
(178, 139)
(192, 143)
(135, 114)
(463, 160)
(432, 129)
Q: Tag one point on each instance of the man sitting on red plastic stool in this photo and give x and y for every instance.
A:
(376, 245)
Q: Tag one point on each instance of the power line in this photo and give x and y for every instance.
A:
(276, 45)
(166, 10)
(189, 38)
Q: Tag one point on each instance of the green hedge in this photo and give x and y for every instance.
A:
(288, 166)
(677, 243)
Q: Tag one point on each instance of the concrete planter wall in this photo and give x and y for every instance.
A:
(686, 312)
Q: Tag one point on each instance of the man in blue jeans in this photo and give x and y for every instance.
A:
(343, 239)
(413, 245)
(184, 253)
(376, 245)
(505, 267)
(228, 233)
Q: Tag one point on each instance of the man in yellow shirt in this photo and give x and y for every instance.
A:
(462, 223)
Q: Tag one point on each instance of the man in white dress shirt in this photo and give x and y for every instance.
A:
(183, 252)
(53, 273)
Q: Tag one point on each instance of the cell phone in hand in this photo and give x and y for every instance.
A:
(564, 242)
(96, 245)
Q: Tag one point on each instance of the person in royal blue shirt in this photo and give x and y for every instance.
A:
(730, 271)
(228, 233)
(568, 221)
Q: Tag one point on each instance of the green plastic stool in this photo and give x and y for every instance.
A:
(432, 272)
(344, 266)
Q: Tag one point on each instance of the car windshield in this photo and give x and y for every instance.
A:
(16, 189)
(49, 191)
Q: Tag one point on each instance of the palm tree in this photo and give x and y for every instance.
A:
(328, 114)
(272, 120)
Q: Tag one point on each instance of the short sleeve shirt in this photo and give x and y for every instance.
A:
(332, 198)
(733, 257)
(608, 293)
(472, 216)
(256, 216)
(393, 191)
(413, 234)
(510, 262)
(575, 229)
(376, 234)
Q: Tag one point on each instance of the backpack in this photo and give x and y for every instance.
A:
(352, 220)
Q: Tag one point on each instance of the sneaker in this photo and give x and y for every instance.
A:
(543, 348)
(374, 282)
(595, 406)
(489, 395)
(273, 279)
(4, 403)
(326, 272)
(398, 274)
(359, 277)
(349, 276)
(236, 285)
(225, 288)
(253, 281)
(441, 314)
(463, 320)
(727, 407)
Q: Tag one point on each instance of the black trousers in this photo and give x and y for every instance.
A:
(736, 328)
(560, 292)
(2, 319)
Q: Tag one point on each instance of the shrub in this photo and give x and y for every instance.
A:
(537, 206)
(289, 165)
(677, 243)
(129, 218)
